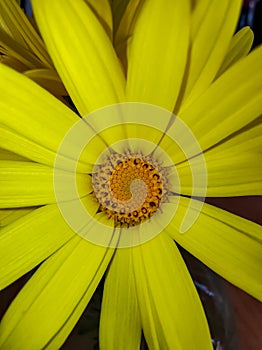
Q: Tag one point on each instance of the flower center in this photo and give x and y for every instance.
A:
(129, 188)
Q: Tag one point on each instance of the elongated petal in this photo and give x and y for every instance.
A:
(102, 10)
(167, 298)
(12, 142)
(240, 46)
(228, 175)
(234, 167)
(33, 122)
(15, 50)
(49, 80)
(126, 26)
(11, 61)
(15, 23)
(234, 175)
(120, 323)
(7, 216)
(228, 244)
(29, 240)
(25, 184)
(157, 52)
(232, 102)
(118, 10)
(213, 25)
(7, 155)
(29, 184)
(56, 289)
(247, 139)
(85, 59)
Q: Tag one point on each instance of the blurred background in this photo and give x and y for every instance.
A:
(252, 16)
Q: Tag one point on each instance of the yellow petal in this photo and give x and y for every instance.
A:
(49, 80)
(15, 23)
(240, 46)
(247, 139)
(126, 122)
(25, 147)
(124, 29)
(29, 240)
(232, 102)
(12, 141)
(157, 52)
(7, 216)
(7, 155)
(227, 243)
(234, 167)
(103, 12)
(213, 24)
(120, 323)
(33, 121)
(11, 61)
(25, 184)
(85, 59)
(167, 298)
(17, 51)
(229, 175)
(29, 184)
(118, 10)
(61, 288)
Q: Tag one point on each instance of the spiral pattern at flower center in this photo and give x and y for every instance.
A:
(129, 189)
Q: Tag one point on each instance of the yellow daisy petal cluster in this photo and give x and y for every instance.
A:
(169, 112)
(22, 48)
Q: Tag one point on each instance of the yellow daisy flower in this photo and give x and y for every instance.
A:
(118, 186)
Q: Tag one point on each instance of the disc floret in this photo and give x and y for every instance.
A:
(129, 187)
